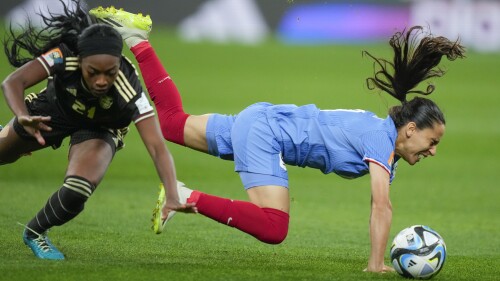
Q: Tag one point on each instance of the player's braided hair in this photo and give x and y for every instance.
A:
(416, 58)
(63, 28)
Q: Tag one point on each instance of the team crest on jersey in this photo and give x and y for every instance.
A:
(53, 57)
(105, 102)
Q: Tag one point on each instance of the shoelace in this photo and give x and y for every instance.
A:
(42, 244)
(40, 240)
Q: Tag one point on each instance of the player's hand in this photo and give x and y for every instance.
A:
(173, 205)
(379, 269)
(34, 125)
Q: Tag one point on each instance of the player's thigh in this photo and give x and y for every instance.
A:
(270, 196)
(12, 146)
(90, 158)
(257, 152)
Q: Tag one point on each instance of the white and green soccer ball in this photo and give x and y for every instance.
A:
(418, 252)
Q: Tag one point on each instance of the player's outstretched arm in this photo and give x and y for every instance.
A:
(13, 88)
(150, 133)
(380, 219)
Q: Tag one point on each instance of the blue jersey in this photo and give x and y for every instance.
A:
(333, 141)
(339, 141)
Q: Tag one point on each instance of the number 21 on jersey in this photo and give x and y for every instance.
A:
(83, 110)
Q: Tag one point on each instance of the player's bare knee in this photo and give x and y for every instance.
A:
(90, 180)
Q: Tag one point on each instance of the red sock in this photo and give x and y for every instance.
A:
(163, 93)
(266, 224)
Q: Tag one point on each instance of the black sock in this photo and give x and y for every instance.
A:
(63, 205)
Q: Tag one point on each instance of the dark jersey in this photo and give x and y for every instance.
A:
(125, 102)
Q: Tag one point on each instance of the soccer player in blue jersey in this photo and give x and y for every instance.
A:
(264, 138)
(93, 93)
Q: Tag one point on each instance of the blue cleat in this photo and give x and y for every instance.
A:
(42, 247)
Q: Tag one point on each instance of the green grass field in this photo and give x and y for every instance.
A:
(456, 193)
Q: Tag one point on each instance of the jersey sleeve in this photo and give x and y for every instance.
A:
(143, 107)
(58, 59)
(379, 149)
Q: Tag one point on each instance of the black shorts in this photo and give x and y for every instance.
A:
(62, 127)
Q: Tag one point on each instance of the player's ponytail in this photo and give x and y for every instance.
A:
(424, 112)
(63, 28)
(416, 58)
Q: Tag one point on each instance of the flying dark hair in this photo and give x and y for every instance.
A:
(416, 57)
(60, 28)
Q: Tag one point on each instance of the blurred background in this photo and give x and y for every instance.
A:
(476, 22)
(227, 54)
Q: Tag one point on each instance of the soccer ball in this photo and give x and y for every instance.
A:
(418, 252)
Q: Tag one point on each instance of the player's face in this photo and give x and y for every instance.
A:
(417, 144)
(99, 73)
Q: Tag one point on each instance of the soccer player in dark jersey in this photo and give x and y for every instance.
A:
(93, 93)
(264, 138)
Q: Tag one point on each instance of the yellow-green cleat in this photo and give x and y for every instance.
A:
(134, 28)
(158, 223)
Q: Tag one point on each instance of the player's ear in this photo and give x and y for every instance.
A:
(410, 128)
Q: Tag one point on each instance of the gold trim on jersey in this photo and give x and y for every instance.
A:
(42, 61)
(30, 97)
(145, 116)
(72, 64)
(123, 87)
(131, 64)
